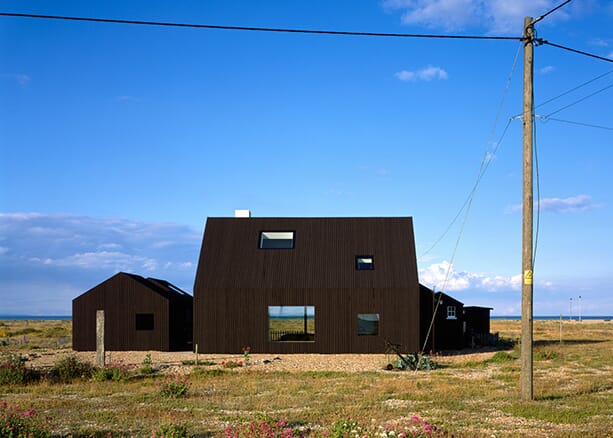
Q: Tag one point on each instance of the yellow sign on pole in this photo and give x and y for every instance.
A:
(528, 276)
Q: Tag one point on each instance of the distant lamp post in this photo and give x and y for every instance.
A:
(580, 312)
(571, 309)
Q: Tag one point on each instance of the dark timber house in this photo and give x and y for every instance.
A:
(477, 328)
(447, 331)
(140, 314)
(306, 285)
(455, 326)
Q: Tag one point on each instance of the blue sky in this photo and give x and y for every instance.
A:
(117, 141)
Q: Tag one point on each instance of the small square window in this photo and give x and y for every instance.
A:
(451, 312)
(364, 263)
(144, 321)
(368, 324)
(276, 240)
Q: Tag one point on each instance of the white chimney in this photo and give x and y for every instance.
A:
(242, 213)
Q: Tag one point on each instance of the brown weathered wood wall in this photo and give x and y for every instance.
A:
(236, 282)
(121, 297)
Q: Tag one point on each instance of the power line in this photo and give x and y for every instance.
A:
(258, 29)
(574, 89)
(580, 52)
(537, 19)
(486, 160)
(571, 122)
(579, 100)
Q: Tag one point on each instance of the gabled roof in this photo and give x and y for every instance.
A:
(443, 295)
(161, 287)
(323, 253)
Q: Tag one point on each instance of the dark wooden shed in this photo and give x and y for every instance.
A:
(140, 314)
(447, 331)
(477, 325)
(346, 285)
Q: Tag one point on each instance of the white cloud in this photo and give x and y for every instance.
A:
(116, 261)
(41, 253)
(547, 69)
(498, 16)
(443, 276)
(567, 205)
(425, 74)
(610, 55)
(571, 204)
(21, 78)
(599, 42)
(127, 98)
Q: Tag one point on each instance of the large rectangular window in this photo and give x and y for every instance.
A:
(276, 240)
(144, 321)
(291, 323)
(368, 324)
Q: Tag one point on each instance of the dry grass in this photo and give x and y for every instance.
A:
(471, 395)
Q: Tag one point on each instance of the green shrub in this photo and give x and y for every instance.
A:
(69, 368)
(170, 430)
(15, 423)
(146, 366)
(13, 371)
(501, 357)
(174, 386)
(116, 371)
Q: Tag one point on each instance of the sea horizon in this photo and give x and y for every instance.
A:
(18, 317)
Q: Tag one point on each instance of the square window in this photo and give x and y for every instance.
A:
(368, 324)
(451, 312)
(276, 240)
(364, 263)
(144, 321)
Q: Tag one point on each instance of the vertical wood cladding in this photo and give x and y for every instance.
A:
(122, 297)
(446, 333)
(236, 281)
(477, 320)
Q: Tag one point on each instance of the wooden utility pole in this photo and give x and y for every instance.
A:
(527, 260)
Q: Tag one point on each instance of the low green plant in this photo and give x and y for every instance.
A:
(13, 371)
(421, 362)
(146, 366)
(69, 368)
(207, 372)
(174, 386)
(206, 362)
(347, 427)
(17, 423)
(502, 357)
(170, 430)
(411, 427)
(115, 370)
(546, 355)
(246, 354)
(230, 363)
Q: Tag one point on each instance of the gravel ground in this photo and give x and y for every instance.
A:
(259, 362)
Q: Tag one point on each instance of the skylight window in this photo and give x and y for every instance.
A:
(276, 240)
